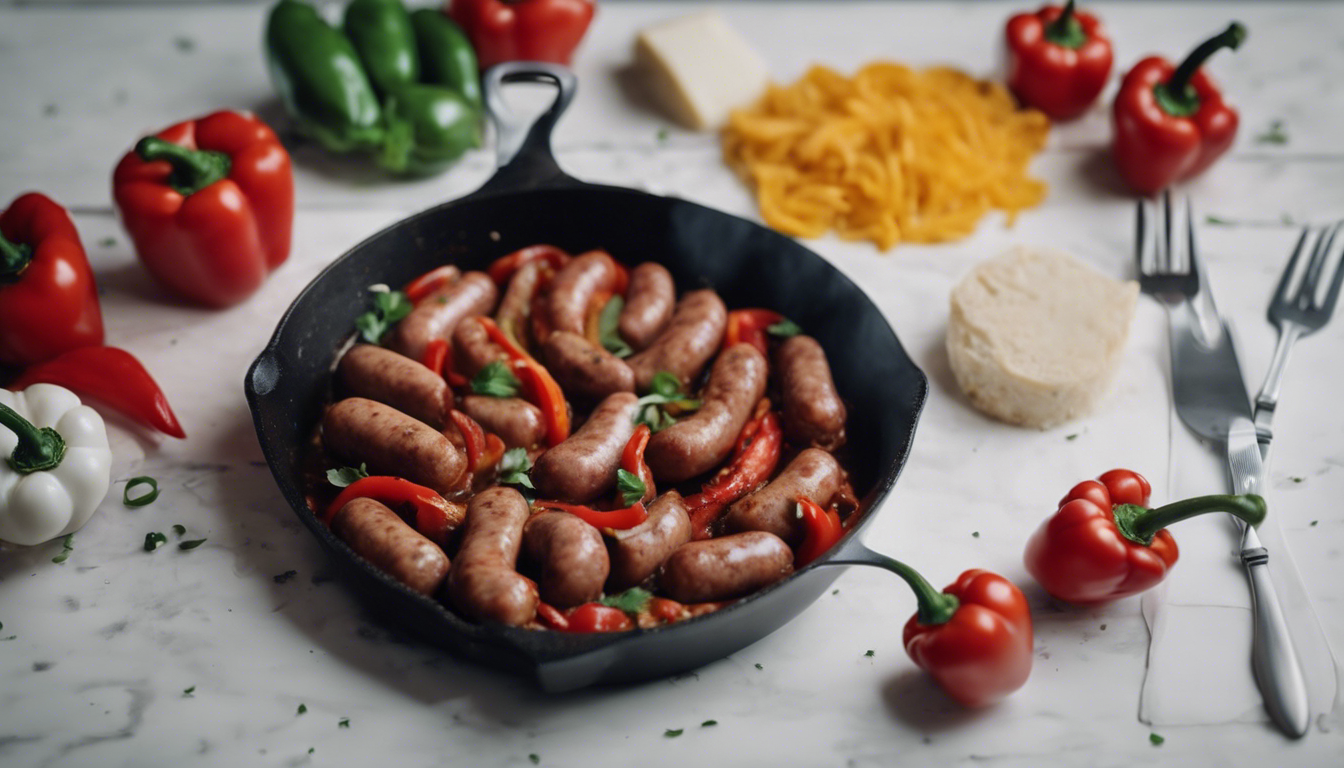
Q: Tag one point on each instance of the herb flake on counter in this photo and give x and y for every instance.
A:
(344, 723)
(67, 546)
(662, 135)
(709, 723)
(975, 534)
(835, 591)
(1156, 740)
(187, 693)
(870, 653)
(1286, 219)
(758, 666)
(108, 242)
(1297, 479)
(192, 544)
(302, 710)
(311, 750)
(1314, 523)
(281, 578)
(608, 328)
(495, 380)
(1072, 437)
(672, 733)
(1103, 627)
(632, 600)
(1217, 221)
(784, 329)
(389, 307)
(184, 44)
(630, 487)
(154, 540)
(514, 466)
(144, 499)
(180, 530)
(1275, 134)
(534, 758)
(346, 475)
(50, 110)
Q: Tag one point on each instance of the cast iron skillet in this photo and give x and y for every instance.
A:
(530, 200)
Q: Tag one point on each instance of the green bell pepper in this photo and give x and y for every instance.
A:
(446, 55)
(428, 127)
(381, 32)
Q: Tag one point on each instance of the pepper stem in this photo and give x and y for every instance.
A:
(1139, 524)
(1176, 96)
(14, 258)
(193, 169)
(38, 450)
(934, 607)
(1066, 30)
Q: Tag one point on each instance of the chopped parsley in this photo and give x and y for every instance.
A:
(495, 380)
(665, 394)
(632, 600)
(758, 666)
(1072, 437)
(180, 530)
(346, 475)
(187, 692)
(534, 758)
(154, 540)
(1297, 479)
(108, 242)
(784, 329)
(311, 750)
(303, 709)
(1155, 739)
(67, 546)
(192, 544)
(388, 308)
(975, 534)
(1314, 523)
(609, 332)
(143, 499)
(514, 466)
(673, 733)
(662, 135)
(631, 488)
(344, 723)
(709, 723)
(1275, 134)
(835, 591)
(1217, 221)
(870, 653)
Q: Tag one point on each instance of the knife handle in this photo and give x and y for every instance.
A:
(1273, 659)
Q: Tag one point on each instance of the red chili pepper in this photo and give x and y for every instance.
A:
(523, 30)
(619, 519)
(749, 325)
(431, 281)
(632, 461)
(48, 298)
(1105, 544)
(502, 269)
(974, 637)
(472, 435)
(1171, 122)
(1058, 60)
(210, 205)
(437, 352)
(551, 617)
(540, 389)
(110, 375)
(754, 460)
(595, 617)
(821, 529)
(435, 516)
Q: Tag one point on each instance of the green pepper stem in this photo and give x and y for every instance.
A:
(14, 258)
(934, 607)
(38, 450)
(1176, 96)
(193, 169)
(1140, 524)
(1066, 30)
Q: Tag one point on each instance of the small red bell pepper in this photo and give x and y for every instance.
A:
(209, 204)
(502, 269)
(426, 284)
(435, 517)
(632, 461)
(974, 637)
(48, 298)
(595, 617)
(112, 376)
(821, 529)
(1171, 122)
(750, 326)
(1104, 544)
(754, 459)
(619, 519)
(523, 30)
(538, 386)
(1058, 60)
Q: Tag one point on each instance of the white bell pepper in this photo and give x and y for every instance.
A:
(55, 463)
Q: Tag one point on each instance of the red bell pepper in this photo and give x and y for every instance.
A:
(48, 298)
(595, 617)
(112, 376)
(974, 637)
(502, 269)
(754, 459)
(632, 461)
(552, 617)
(619, 519)
(539, 387)
(1171, 122)
(1104, 544)
(422, 286)
(1058, 60)
(750, 326)
(523, 30)
(209, 204)
(435, 516)
(821, 529)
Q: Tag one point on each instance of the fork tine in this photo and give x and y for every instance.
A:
(1165, 253)
(1306, 290)
(1331, 298)
(1142, 257)
(1191, 251)
(1281, 292)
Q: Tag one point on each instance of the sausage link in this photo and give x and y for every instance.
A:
(648, 305)
(572, 557)
(686, 345)
(584, 466)
(516, 305)
(392, 443)
(517, 422)
(438, 314)
(396, 380)
(637, 552)
(473, 349)
(703, 440)
(813, 473)
(813, 412)
(380, 536)
(575, 285)
(732, 566)
(584, 369)
(483, 583)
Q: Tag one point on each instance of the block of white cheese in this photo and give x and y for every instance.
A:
(1035, 336)
(698, 68)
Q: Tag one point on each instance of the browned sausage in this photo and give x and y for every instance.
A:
(395, 548)
(731, 566)
(473, 349)
(572, 557)
(516, 305)
(813, 412)
(435, 316)
(648, 305)
(703, 440)
(584, 369)
(484, 584)
(584, 466)
(813, 473)
(517, 422)
(396, 380)
(574, 286)
(689, 341)
(392, 443)
(637, 552)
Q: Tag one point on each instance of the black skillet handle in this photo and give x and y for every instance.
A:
(525, 157)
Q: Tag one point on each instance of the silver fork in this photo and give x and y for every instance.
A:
(1298, 310)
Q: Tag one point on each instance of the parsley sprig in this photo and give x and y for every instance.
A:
(346, 475)
(495, 380)
(388, 308)
(630, 487)
(665, 397)
(514, 466)
(632, 600)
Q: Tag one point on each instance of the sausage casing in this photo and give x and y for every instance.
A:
(648, 305)
(573, 559)
(380, 536)
(731, 566)
(637, 552)
(517, 422)
(396, 380)
(584, 369)
(516, 305)
(584, 466)
(704, 439)
(483, 583)
(813, 412)
(813, 473)
(391, 443)
(573, 288)
(473, 349)
(686, 345)
(436, 315)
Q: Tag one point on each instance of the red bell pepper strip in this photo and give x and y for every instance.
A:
(821, 529)
(1171, 122)
(1058, 60)
(1104, 544)
(502, 269)
(551, 617)
(667, 611)
(209, 204)
(754, 460)
(48, 298)
(540, 389)
(436, 353)
(618, 519)
(435, 516)
(632, 461)
(974, 638)
(426, 284)
(595, 617)
(523, 30)
(472, 435)
(112, 376)
(749, 325)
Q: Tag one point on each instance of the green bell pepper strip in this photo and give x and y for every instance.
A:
(446, 55)
(428, 127)
(381, 33)
(320, 79)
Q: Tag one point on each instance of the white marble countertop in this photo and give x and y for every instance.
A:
(96, 654)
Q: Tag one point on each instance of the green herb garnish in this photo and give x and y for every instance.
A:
(495, 380)
(1072, 437)
(187, 692)
(1216, 221)
(632, 600)
(67, 546)
(975, 534)
(784, 329)
(194, 543)
(709, 723)
(1314, 523)
(388, 308)
(143, 499)
(180, 530)
(154, 540)
(303, 709)
(1275, 134)
(665, 392)
(346, 475)
(344, 723)
(758, 666)
(870, 654)
(108, 242)
(514, 466)
(673, 733)
(630, 487)
(608, 332)
(1155, 739)
(662, 135)
(534, 758)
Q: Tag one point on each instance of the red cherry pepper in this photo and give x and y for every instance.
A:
(523, 30)
(595, 617)
(750, 326)
(435, 516)
(1171, 122)
(1104, 543)
(821, 529)
(1058, 60)
(209, 204)
(112, 376)
(48, 298)
(754, 460)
